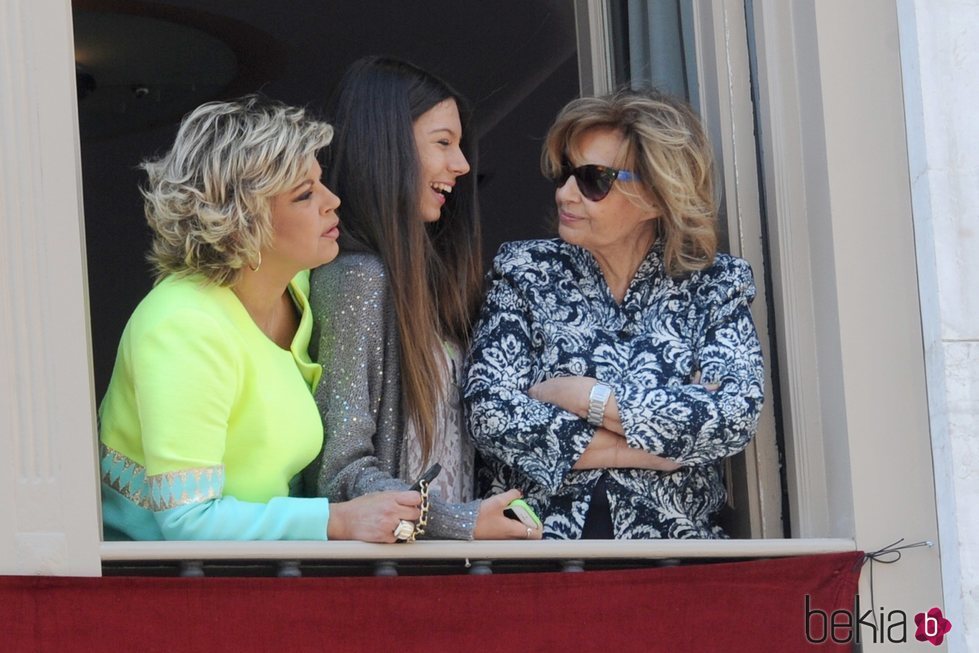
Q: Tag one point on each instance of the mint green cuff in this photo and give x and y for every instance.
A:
(282, 518)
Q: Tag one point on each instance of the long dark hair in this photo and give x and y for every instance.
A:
(434, 269)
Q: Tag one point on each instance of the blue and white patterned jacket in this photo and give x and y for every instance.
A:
(550, 313)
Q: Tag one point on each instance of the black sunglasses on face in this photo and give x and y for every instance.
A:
(594, 181)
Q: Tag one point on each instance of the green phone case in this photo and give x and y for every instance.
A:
(520, 510)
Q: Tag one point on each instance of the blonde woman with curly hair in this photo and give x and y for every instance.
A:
(209, 415)
(615, 367)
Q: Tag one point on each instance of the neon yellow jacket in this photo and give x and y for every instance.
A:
(206, 422)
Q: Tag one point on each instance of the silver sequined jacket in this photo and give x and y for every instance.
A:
(355, 339)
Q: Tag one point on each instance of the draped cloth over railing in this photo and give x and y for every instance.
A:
(752, 606)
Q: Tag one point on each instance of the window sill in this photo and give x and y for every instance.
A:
(481, 550)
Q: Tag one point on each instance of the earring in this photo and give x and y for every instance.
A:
(255, 267)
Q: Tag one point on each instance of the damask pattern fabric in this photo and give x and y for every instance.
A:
(550, 313)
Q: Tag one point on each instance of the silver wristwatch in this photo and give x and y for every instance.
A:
(597, 401)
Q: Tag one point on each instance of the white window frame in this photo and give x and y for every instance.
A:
(848, 315)
(48, 491)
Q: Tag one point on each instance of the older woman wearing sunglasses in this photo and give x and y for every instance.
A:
(614, 368)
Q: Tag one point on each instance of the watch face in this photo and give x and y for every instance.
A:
(597, 401)
(600, 392)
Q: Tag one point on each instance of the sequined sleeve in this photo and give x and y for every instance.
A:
(355, 339)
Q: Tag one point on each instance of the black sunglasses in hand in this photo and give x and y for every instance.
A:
(594, 181)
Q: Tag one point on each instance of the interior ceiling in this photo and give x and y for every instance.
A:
(146, 63)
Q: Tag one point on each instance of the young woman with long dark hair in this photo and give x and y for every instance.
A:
(394, 312)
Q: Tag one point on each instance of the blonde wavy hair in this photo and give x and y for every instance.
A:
(666, 146)
(207, 200)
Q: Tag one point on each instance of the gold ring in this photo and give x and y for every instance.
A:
(404, 531)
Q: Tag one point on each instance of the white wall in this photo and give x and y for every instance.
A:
(940, 57)
(48, 474)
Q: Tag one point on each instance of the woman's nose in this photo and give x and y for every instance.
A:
(568, 191)
(331, 201)
(459, 165)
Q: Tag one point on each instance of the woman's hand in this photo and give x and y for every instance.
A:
(609, 450)
(492, 524)
(695, 380)
(573, 394)
(372, 517)
(568, 392)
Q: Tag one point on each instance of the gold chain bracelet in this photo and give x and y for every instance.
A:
(423, 518)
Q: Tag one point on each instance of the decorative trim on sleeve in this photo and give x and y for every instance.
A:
(184, 487)
(159, 491)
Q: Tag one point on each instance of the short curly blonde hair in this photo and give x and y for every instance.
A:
(208, 199)
(667, 148)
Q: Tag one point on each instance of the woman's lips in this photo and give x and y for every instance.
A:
(567, 218)
(333, 232)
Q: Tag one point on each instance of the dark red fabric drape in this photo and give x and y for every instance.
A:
(745, 606)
